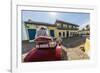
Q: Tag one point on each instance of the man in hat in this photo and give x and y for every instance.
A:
(46, 49)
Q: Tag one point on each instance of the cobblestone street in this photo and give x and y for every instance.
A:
(76, 53)
(70, 45)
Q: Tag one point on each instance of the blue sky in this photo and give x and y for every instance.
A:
(51, 17)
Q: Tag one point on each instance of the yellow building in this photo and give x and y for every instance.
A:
(59, 29)
(66, 29)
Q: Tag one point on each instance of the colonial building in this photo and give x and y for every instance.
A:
(66, 29)
(59, 29)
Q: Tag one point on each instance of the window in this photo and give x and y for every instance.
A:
(58, 25)
(52, 33)
(64, 25)
(59, 34)
(74, 27)
(69, 26)
(63, 34)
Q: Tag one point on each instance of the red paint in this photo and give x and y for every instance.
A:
(47, 54)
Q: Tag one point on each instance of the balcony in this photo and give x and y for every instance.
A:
(64, 28)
